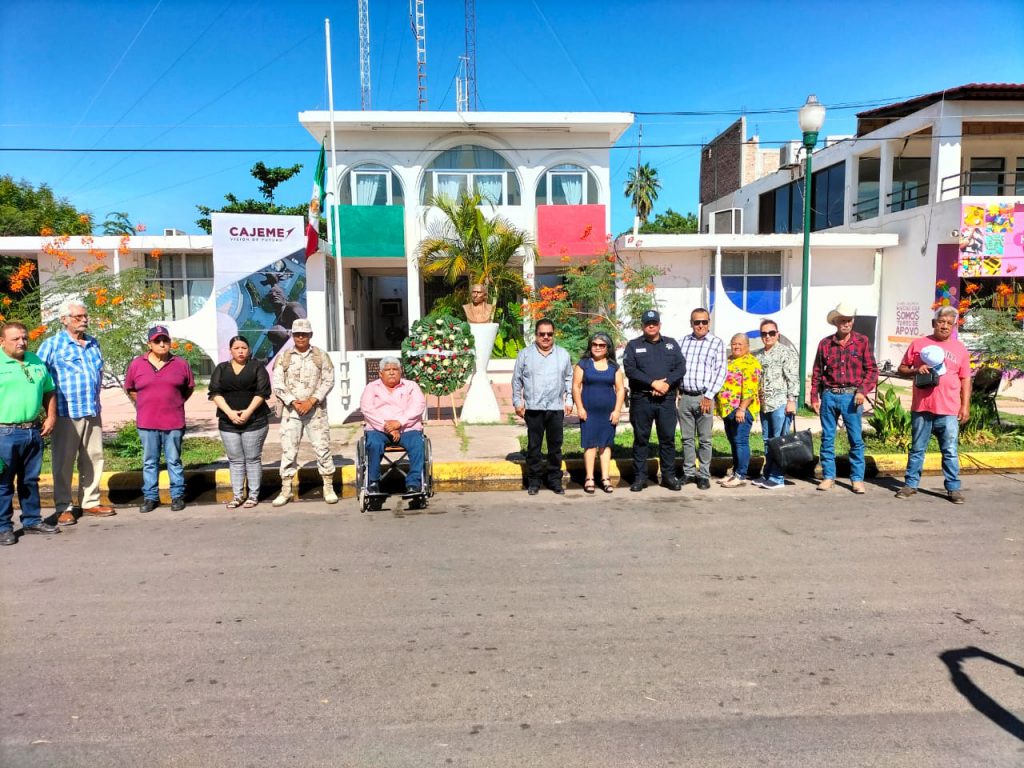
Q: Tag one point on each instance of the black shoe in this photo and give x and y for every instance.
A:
(177, 504)
(44, 528)
(703, 483)
(689, 479)
(557, 489)
(533, 490)
(7, 538)
(148, 505)
(671, 483)
(373, 487)
(638, 485)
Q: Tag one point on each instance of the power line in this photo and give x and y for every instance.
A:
(552, 148)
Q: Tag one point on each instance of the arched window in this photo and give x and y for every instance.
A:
(567, 185)
(471, 169)
(370, 184)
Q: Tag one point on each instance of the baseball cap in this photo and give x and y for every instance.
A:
(934, 358)
(302, 325)
(650, 316)
(157, 331)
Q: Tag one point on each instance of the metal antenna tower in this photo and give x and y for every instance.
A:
(364, 53)
(461, 89)
(470, 58)
(417, 19)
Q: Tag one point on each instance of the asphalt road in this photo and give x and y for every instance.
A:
(737, 628)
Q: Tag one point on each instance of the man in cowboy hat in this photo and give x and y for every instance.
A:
(938, 408)
(844, 373)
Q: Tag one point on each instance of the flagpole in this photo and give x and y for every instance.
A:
(332, 232)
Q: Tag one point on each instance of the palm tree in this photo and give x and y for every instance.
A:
(642, 186)
(467, 244)
(118, 223)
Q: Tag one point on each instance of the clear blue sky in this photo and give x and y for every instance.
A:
(226, 73)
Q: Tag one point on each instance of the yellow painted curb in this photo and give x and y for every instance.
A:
(468, 473)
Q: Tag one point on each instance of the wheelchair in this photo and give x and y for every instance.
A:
(394, 467)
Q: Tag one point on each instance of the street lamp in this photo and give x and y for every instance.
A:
(811, 118)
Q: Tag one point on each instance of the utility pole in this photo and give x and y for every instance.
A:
(417, 18)
(364, 53)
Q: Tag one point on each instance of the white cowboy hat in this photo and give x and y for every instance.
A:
(843, 310)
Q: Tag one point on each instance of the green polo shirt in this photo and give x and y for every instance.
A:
(22, 399)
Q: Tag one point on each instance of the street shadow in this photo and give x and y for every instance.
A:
(981, 701)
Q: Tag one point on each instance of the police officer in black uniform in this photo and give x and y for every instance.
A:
(654, 366)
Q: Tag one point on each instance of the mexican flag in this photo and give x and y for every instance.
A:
(316, 204)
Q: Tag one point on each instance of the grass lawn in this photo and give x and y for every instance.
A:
(623, 448)
(120, 455)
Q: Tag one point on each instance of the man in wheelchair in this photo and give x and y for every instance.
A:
(393, 415)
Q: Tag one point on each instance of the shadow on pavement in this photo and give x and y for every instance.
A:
(980, 700)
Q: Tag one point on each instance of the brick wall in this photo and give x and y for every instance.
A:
(721, 163)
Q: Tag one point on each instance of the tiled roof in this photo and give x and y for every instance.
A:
(977, 91)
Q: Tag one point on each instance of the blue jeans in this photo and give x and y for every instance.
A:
(21, 451)
(832, 407)
(774, 424)
(168, 441)
(412, 441)
(947, 430)
(739, 439)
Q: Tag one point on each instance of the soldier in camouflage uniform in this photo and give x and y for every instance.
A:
(302, 378)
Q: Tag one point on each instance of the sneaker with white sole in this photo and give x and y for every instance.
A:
(734, 482)
(772, 485)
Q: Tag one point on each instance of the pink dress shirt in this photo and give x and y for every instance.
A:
(405, 404)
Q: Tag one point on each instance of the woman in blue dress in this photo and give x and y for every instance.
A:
(598, 390)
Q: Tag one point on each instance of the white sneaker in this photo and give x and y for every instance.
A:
(329, 495)
(283, 499)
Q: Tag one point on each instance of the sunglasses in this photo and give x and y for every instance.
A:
(161, 340)
(770, 334)
(699, 322)
(545, 334)
(599, 346)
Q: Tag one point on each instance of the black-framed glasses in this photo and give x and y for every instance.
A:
(770, 334)
(161, 340)
(700, 322)
(545, 334)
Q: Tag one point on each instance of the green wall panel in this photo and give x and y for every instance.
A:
(374, 231)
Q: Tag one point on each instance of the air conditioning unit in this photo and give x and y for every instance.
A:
(173, 233)
(789, 153)
(728, 221)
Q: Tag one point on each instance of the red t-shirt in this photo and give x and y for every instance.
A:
(159, 395)
(944, 398)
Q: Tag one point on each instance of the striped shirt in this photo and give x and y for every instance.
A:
(77, 370)
(705, 365)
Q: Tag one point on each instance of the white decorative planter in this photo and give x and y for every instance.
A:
(481, 406)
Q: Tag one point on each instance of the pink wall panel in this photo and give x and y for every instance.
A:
(571, 230)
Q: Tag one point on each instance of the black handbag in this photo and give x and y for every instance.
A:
(926, 380)
(793, 451)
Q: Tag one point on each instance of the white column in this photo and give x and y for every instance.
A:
(884, 177)
(945, 157)
(852, 182)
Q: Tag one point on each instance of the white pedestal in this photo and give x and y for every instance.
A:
(481, 406)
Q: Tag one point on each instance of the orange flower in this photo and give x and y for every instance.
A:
(941, 284)
(7, 301)
(174, 345)
(36, 332)
(117, 300)
(156, 253)
(46, 232)
(1004, 290)
(85, 218)
(101, 300)
(188, 347)
(1019, 315)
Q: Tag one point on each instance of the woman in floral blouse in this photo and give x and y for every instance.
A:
(780, 388)
(738, 404)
